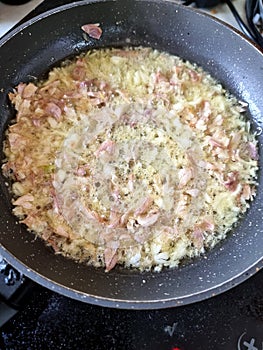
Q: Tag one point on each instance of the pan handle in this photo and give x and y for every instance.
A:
(15, 291)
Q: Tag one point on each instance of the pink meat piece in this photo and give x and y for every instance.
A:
(93, 30)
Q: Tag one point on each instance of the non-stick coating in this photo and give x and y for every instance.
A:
(33, 48)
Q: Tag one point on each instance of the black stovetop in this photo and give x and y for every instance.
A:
(232, 320)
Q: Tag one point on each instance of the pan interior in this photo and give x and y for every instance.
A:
(56, 35)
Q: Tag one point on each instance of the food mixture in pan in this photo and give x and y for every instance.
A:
(129, 156)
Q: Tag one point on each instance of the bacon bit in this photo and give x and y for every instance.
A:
(124, 218)
(93, 30)
(198, 237)
(126, 239)
(97, 102)
(141, 237)
(16, 141)
(148, 220)
(25, 201)
(78, 73)
(182, 206)
(246, 192)
(193, 192)
(29, 221)
(128, 120)
(205, 110)
(144, 206)
(170, 232)
(192, 120)
(36, 122)
(160, 77)
(73, 95)
(104, 86)
(56, 204)
(131, 182)
(53, 244)
(106, 146)
(110, 257)
(91, 214)
(191, 157)
(82, 170)
(54, 110)
(91, 83)
(199, 229)
(24, 108)
(99, 84)
(115, 193)
(185, 176)
(215, 143)
(232, 181)
(235, 140)
(46, 234)
(115, 219)
(195, 77)
(80, 62)
(210, 166)
(29, 90)
(233, 145)
(59, 230)
(207, 225)
(20, 89)
(252, 151)
(178, 70)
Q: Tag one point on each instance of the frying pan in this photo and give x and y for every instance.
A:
(36, 46)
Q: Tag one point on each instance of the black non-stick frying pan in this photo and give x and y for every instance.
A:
(33, 48)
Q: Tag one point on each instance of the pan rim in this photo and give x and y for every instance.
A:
(131, 304)
(79, 3)
(108, 301)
